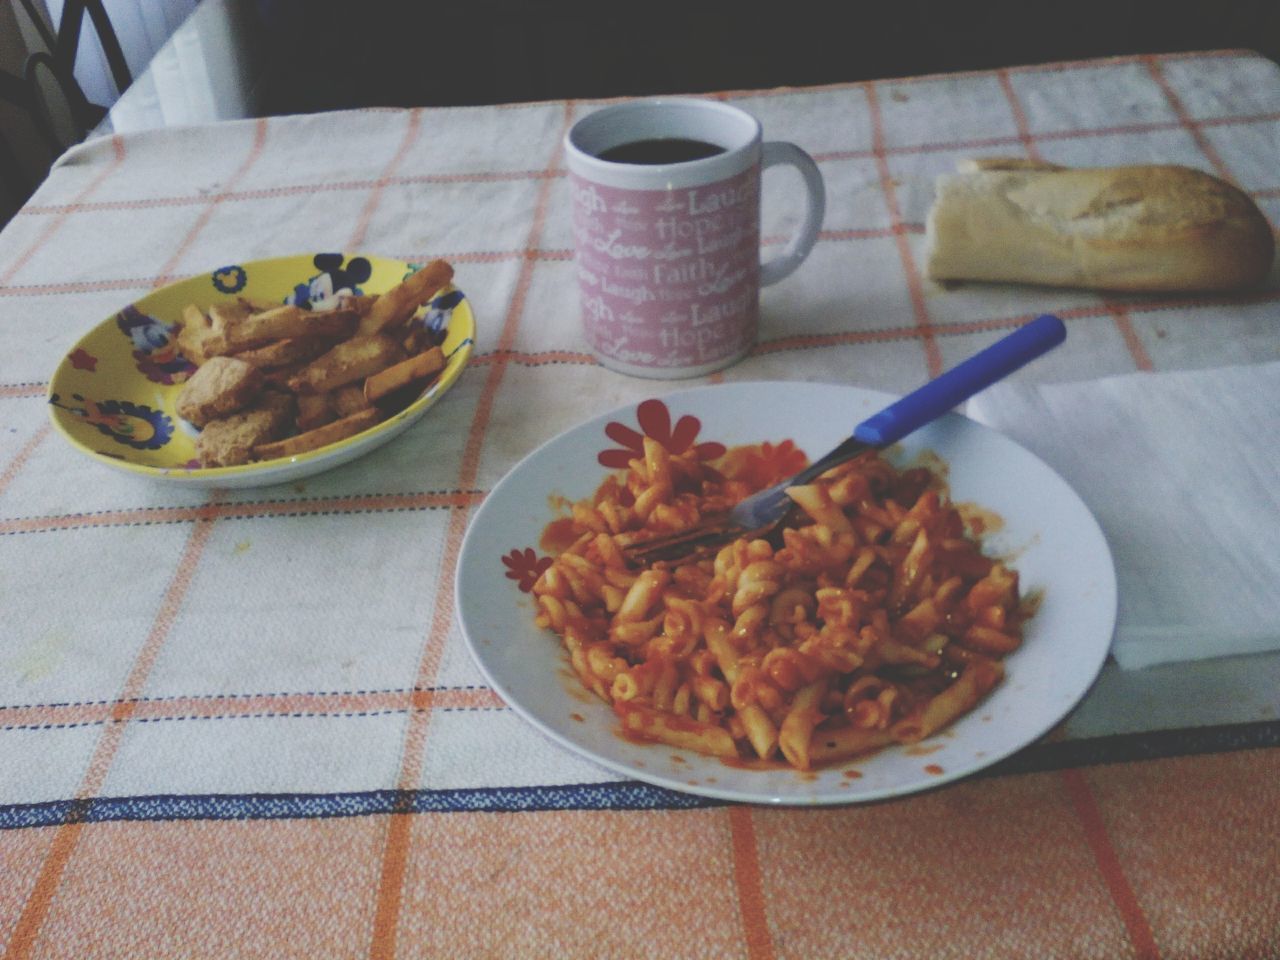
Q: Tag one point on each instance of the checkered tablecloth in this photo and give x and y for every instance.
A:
(245, 724)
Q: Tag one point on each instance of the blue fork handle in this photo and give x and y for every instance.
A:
(961, 382)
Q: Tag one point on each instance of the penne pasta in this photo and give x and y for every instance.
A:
(876, 620)
(797, 727)
(650, 724)
(962, 696)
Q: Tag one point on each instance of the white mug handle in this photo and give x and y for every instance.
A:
(780, 152)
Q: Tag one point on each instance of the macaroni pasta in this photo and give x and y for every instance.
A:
(875, 619)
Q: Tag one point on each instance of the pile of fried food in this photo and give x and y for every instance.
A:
(281, 381)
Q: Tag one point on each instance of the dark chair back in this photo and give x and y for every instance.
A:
(56, 111)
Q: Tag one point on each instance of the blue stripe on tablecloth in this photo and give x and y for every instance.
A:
(617, 795)
(624, 795)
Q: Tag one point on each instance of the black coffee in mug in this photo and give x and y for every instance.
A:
(660, 150)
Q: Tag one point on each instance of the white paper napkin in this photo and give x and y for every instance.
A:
(1182, 471)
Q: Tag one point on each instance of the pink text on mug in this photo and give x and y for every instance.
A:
(666, 225)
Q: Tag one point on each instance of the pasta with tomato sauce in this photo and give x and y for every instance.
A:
(874, 619)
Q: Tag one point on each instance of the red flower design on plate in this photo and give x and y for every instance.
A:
(82, 359)
(525, 567)
(654, 420)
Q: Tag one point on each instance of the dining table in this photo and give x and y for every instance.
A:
(246, 721)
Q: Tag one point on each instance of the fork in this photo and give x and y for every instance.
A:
(760, 514)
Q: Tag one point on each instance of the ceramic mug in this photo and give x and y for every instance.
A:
(666, 226)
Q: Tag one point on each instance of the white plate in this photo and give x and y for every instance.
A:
(1048, 534)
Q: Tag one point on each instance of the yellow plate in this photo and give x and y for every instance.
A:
(113, 395)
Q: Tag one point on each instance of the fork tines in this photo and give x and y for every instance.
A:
(694, 543)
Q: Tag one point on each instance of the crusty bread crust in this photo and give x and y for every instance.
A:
(1153, 228)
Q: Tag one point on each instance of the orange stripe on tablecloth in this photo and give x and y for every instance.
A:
(1019, 115)
(470, 466)
(225, 707)
(872, 233)
(352, 503)
(1124, 59)
(82, 286)
(1242, 119)
(552, 254)
(255, 151)
(289, 190)
(355, 503)
(749, 884)
(146, 658)
(855, 233)
(540, 359)
(1124, 323)
(20, 459)
(1104, 853)
(479, 256)
(395, 856)
(117, 158)
(915, 284)
(1196, 128)
(1184, 117)
(375, 194)
(429, 665)
(36, 909)
(23, 391)
(395, 859)
(1072, 133)
(808, 341)
(22, 941)
(148, 283)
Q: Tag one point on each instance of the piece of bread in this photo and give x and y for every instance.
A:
(229, 441)
(1139, 228)
(203, 332)
(221, 386)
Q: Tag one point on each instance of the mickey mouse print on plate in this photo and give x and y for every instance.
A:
(114, 395)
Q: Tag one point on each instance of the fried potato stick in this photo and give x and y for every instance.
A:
(398, 304)
(348, 362)
(282, 323)
(400, 375)
(319, 437)
(282, 353)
